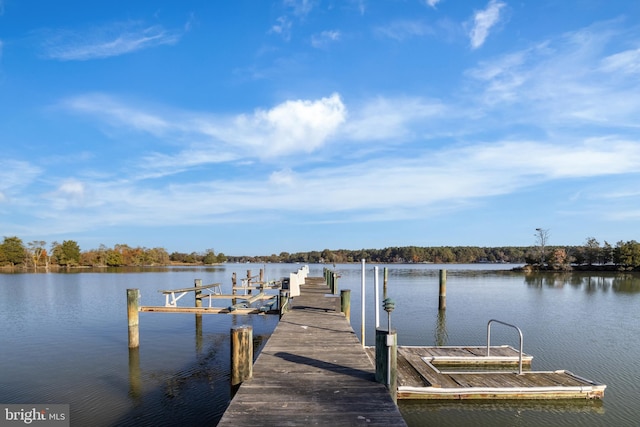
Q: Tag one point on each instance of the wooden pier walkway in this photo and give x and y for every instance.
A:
(313, 371)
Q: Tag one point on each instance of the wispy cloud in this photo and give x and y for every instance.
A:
(325, 38)
(432, 3)
(15, 175)
(374, 189)
(404, 29)
(282, 27)
(572, 80)
(294, 10)
(294, 126)
(105, 41)
(112, 111)
(483, 21)
(385, 118)
(300, 8)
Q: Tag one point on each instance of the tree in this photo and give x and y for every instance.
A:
(114, 258)
(67, 253)
(560, 260)
(542, 237)
(627, 254)
(592, 251)
(12, 251)
(209, 257)
(37, 252)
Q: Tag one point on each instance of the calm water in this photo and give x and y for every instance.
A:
(64, 340)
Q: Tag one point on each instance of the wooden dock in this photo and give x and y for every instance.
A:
(466, 373)
(313, 371)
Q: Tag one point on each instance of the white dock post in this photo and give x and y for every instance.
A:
(377, 295)
(362, 301)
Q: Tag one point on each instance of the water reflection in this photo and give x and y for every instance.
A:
(589, 282)
(441, 338)
(135, 381)
(503, 412)
(198, 333)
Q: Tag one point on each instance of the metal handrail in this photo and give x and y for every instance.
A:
(489, 339)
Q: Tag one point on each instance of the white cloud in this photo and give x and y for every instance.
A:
(483, 21)
(283, 177)
(325, 38)
(282, 27)
(404, 29)
(293, 126)
(433, 3)
(571, 81)
(624, 62)
(112, 111)
(15, 175)
(391, 118)
(300, 7)
(105, 41)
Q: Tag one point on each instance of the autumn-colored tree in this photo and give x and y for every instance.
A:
(559, 259)
(38, 253)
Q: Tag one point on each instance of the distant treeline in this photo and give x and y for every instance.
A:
(14, 253)
(624, 255)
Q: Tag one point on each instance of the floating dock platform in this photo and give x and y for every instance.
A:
(467, 373)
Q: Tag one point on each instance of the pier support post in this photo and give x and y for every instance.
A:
(385, 280)
(241, 354)
(442, 302)
(198, 284)
(133, 309)
(345, 303)
(387, 360)
(362, 303)
(284, 298)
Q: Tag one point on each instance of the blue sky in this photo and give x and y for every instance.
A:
(256, 127)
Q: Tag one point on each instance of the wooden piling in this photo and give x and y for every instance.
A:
(283, 299)
(241, 354)
(133, 307)
(442, 302)
(198, 283)
(387, 360)
(384, 283)
(345, 303)
(334, 277)
(234, 282)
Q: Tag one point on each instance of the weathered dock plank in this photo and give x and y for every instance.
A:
(313, 371)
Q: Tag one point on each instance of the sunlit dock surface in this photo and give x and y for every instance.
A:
(313, 371)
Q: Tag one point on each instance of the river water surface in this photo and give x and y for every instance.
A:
(64, 340)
